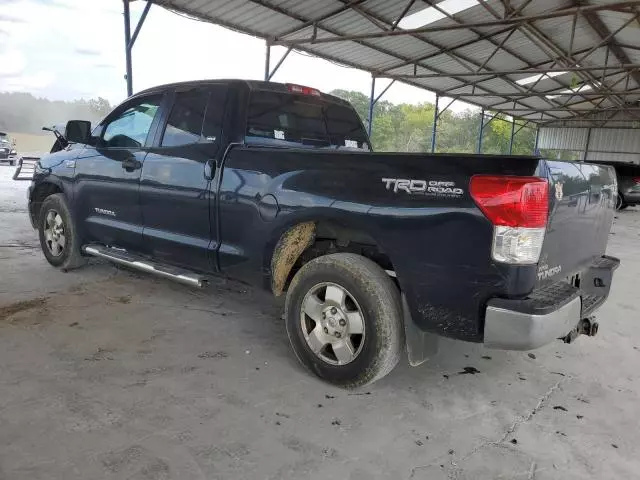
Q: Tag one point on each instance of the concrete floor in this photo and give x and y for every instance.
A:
(110, 374)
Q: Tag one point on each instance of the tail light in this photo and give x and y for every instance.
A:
(518, 207)
(302, 90)
(636, 180)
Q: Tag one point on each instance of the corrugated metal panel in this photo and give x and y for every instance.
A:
(615, 140)
(563, 138)
(604, 144)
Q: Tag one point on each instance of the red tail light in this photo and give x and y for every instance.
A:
(512, 201)
(303, 90)
(636, 180)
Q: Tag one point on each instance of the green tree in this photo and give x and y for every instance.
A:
(408, 128)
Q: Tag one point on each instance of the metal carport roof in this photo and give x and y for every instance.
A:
(552, 62)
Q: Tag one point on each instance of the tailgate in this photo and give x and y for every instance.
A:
(581, 210)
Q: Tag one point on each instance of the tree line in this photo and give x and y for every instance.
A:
(408, 128)
(25, 113)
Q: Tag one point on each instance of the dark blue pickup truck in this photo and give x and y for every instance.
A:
(377, 253)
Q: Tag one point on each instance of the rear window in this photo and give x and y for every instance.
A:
(305, 120)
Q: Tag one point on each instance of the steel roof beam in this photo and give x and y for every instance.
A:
(484, 36)
(496, 44)
(511, 95)
(531, 87)
(283, 11)
(524, 71)
(517, 20)
(603, 32)
(572, 60)
(604, 97)
(456, 57)
(404, 12)
(326, 16)
(536, 36)
(499, 46)
(562, 109)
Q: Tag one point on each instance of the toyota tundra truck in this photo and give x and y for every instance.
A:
(377, 254)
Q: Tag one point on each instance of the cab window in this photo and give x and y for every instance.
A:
(196, 117)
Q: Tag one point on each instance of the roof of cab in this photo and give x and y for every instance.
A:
(250, 84)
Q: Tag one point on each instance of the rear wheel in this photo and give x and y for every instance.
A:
(620, 203)
(58, 237)
(344, 319)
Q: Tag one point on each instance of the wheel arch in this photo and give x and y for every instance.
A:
(305, 239)
(40, 192)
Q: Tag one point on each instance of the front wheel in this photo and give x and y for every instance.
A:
(58, 236)
(344, 319)
(620, 203)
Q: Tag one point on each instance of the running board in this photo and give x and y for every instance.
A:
(123, 257)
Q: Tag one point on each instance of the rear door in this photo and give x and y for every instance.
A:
(107, 175)
(175, 186)
(581, 209)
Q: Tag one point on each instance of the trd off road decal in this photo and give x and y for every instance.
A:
(430, 188)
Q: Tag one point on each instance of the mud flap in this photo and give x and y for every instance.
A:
(420, 345)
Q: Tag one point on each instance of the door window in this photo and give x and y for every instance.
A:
(131, 127)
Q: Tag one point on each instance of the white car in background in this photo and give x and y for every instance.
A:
(8, 151)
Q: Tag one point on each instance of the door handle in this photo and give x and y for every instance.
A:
(130, 164)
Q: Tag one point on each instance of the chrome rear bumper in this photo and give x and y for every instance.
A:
(551, 312)
(511, 330)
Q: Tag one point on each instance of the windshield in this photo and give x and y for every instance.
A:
(305, 120)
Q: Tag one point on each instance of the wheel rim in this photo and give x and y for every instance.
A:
(332, 323)
(54, 233)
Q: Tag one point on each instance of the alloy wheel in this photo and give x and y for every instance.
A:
(332, 323)
(54, 233)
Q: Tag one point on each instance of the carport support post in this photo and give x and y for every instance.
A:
(127, 47)
(267, 62)
(130, 40)
(372, 102)
(481, 131)
(535, 146)
(271, 73)
(586, 147)
(513, 132)
(434, 129)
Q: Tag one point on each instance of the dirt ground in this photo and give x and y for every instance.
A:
(105, 373)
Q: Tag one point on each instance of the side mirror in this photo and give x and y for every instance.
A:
(77, 131)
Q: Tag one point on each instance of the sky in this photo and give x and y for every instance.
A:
(70, 49)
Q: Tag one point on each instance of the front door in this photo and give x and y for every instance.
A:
(175, 186)
(107, 175)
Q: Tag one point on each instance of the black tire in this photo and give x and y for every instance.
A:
(70, 256)
(372, 292)
(620, 203)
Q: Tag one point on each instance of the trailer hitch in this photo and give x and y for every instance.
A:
(587, 326)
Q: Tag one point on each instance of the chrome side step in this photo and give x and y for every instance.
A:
(123, 257)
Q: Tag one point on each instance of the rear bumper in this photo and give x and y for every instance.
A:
(548, 313)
